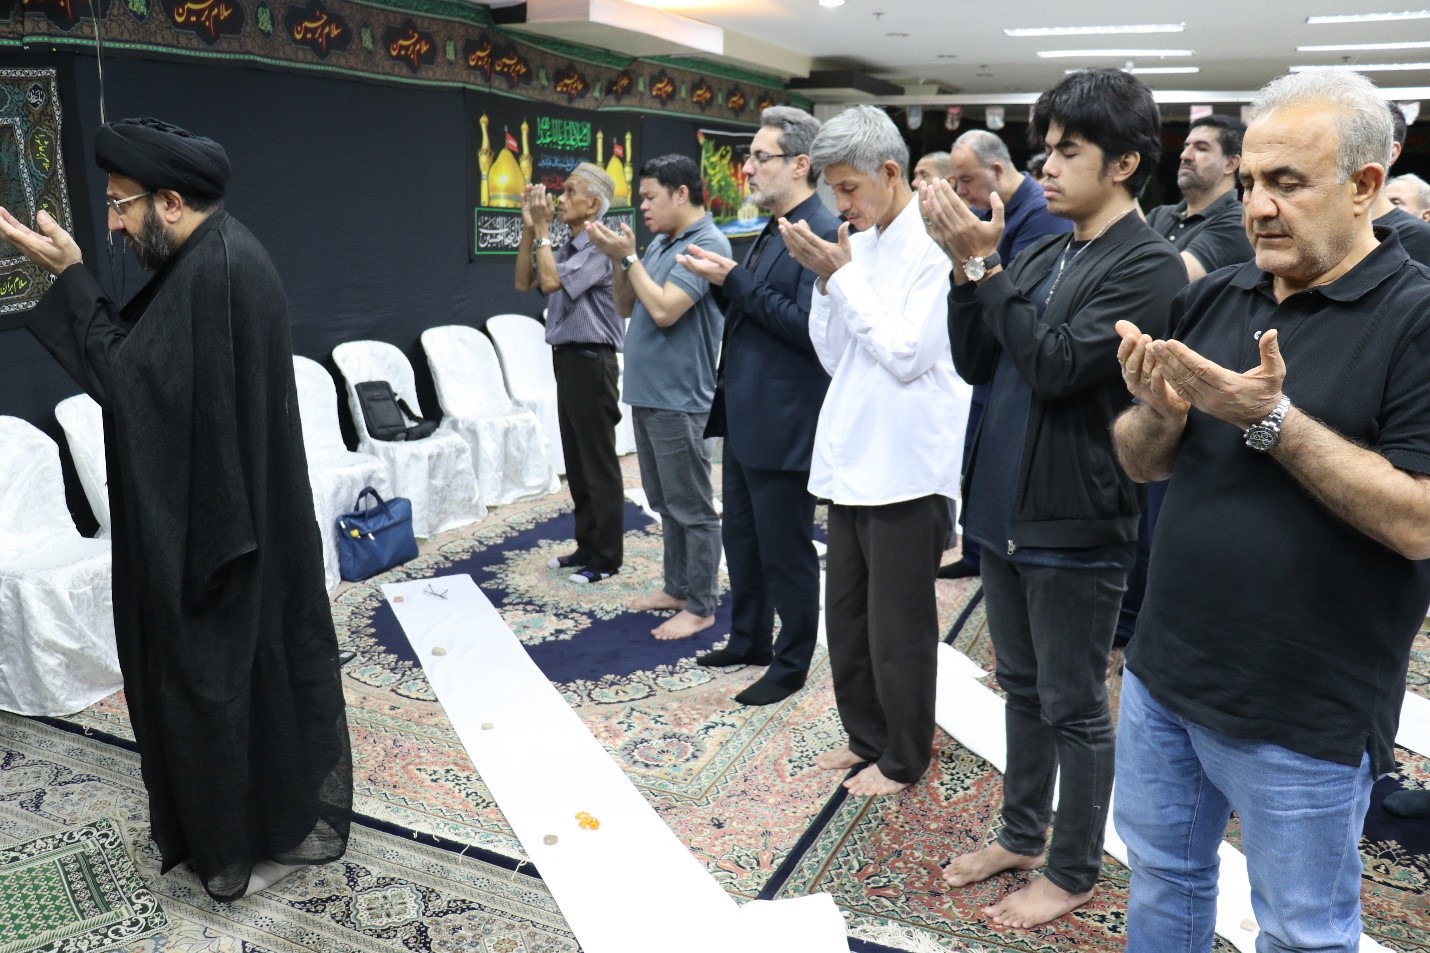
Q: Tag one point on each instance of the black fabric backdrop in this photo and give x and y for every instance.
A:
(357, 189)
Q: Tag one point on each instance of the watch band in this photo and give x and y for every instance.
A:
(977, 267)
(541, 243)
(1265, 434)
(629, 260)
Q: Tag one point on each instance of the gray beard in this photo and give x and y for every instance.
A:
(153, 246)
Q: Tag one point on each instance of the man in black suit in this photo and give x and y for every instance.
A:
(771, 386)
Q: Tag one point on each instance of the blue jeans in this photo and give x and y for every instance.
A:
(1301, 819)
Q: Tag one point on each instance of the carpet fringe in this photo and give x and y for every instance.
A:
(901, 937)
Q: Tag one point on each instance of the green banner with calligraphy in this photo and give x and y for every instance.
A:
(440, 42)
(32, 178)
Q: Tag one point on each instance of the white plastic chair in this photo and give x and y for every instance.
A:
(526, 365)
(436, 472)
(57, 653)
(506, 441)
(336, 474)
(83, 424)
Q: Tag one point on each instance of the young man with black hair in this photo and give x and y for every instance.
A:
(1206, 225)
(1056, 518)
(672, 345)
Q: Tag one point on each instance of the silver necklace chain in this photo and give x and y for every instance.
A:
(1063, 262)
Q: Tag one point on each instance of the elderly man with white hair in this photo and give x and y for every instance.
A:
(886, 448)
(1292, 411)
(1410, 193)
(584, 332)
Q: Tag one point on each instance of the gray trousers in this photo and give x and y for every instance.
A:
(675, 474)
(1052, 634)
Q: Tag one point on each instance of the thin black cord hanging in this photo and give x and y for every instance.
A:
(116, 272)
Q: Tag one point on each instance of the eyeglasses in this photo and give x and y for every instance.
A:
(117, 205)
(760, 158)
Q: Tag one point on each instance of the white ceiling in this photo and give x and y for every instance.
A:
(960, 45)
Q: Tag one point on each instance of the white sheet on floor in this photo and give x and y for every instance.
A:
(972, 714)
(629, 887)
(1414, 732)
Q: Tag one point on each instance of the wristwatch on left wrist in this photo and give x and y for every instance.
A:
(543, 242)
(978, 266)
(629, 260)
(1264, 435)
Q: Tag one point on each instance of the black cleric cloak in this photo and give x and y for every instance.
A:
(222, 620)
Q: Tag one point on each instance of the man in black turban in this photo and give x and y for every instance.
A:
(224, 632)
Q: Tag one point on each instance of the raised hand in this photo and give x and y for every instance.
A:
(1239, 399)
(708, 265)
(1144, 377)
(953, 225)
(52, 248)
(614, 245)
(819, 256)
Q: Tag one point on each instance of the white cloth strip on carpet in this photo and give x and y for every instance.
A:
(1414, 733)
(972, 714)
(629, 886)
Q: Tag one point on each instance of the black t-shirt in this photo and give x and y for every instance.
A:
(1414, 233)
(1215, 236)
(1266, 617)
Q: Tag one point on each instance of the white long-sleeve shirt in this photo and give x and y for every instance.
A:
(891, 428)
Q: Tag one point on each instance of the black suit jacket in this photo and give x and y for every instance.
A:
(771, 383)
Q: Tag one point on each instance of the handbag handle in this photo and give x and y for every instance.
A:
(366, 492)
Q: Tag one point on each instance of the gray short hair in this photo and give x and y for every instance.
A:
(986, 148)
(797, 131)
(940, 162)
(861, 137)
(1361, 117)
(1421, 186)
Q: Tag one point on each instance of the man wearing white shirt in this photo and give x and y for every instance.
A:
(887, 448)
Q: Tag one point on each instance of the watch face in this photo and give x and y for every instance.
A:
(1261, 438)
(974, 269)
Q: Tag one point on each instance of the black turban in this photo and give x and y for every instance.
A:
(158, 155)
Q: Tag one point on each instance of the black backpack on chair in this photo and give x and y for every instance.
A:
(386, 414)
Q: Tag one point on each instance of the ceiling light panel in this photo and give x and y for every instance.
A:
(1097, 30)
(1367, 67)
(1369, 17)
(1364, 47)
(1120, 54)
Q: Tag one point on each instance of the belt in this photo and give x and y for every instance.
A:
(579, 346)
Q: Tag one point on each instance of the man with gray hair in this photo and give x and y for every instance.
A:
(584, 332)
(930, 167)
(884, 450)
(1292, 408)
(979, 166)
(1410, 193)
(769, 388)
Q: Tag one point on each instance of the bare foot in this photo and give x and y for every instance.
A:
(981, 864)
(840, 759)
(1042, 901)
(682, 625)
(655, 602)
(871, 783)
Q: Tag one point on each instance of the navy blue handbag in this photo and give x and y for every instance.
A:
(376, 537)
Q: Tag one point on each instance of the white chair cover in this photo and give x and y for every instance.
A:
(526, 364)
(435, 473)
(506, 441)
(57, 652)
(83, 423)
(336, 474)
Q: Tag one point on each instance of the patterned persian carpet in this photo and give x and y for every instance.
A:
(433, 865)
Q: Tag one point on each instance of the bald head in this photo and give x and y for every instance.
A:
(930, 167)
(1411, 193)
(979, 165)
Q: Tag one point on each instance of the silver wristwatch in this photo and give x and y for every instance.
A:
(627, 261)
(976, 267)
(541, 243)
(1266, 434)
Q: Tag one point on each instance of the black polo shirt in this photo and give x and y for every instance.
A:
(1414, 233)
(1215, 235)
(1266, 617)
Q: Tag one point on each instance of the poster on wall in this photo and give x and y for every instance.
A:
(515, 143)
(32, 179)
(727, 193)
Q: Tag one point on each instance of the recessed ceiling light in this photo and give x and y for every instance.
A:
(1371, 17)
(948, 56)
(831, 3)
(1120, 54)
(1096, 30)
(896, 34)
(1367, 67)
(1366, 47)
(1149, 69)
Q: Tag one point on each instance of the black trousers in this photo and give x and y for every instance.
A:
(767, 527)
(587, 410)
(882, 623)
